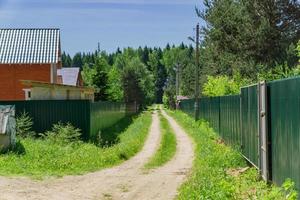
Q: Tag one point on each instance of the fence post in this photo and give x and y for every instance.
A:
(263, 130)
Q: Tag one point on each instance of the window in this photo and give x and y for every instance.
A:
(27, 94)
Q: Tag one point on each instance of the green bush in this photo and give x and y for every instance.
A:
(63, 134)
(223, 85)
(24, 125)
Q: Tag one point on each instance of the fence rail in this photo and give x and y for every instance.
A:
(238, 118)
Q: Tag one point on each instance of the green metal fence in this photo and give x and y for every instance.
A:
(230, 119)
(83, 114)
(223, 114)
(46, 113)
(238, 121)
(249, 125)
(284, 129)
(104, 115)
(210, 111)
(187, 106)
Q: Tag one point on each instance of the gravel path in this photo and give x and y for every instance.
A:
(126, 181)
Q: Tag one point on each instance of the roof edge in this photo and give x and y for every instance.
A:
(52, 28)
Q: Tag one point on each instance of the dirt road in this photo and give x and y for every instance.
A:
(127, 181)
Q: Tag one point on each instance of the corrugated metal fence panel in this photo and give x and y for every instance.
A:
(210, 111)
(187, 106)
(249, 125)
(230, 119)
(49, 112)
(104, 115)
(284, 107)
(238, 124)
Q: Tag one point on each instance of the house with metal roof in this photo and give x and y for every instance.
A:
(27, 54)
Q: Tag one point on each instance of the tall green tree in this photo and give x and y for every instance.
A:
(96, 76)
(138, 83)
(77, 60)
(114, 85)
(66, 60)
(277, 25)
(245, 33)
(159, 73)
(180, 60)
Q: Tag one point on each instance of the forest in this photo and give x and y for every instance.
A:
(242, 42)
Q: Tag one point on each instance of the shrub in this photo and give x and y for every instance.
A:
(63, 134)
(278, 72)
(24, 125)
(223, 85)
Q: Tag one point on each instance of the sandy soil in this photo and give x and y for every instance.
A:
(127, 181)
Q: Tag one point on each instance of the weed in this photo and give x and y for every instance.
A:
(63, 134)
(124, 188)
(107, 196)
(24, 125)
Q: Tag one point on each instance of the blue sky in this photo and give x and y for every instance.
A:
(113, 23)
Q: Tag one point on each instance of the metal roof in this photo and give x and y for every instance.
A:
(29, 46)
(69, 75)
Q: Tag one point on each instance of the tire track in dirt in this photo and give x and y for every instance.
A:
(126, 181)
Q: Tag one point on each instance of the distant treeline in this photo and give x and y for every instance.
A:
(143, 75)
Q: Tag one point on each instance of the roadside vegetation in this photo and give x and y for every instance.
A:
(220, 172)
(167, 148)
(60, 151)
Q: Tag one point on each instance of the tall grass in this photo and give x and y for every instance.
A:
(42, 158)
(210, 178)
(167, 148)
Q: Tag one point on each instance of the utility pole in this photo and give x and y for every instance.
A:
(99, 49)
(177, 83)
(196, 106)
(177, 80)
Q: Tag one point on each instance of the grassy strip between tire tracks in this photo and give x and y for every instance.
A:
(43, 158)
(211, 177)
(167, 148)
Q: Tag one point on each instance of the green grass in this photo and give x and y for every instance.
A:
(167, 146)
(210, 179)
(43, 158)
(109, 136)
